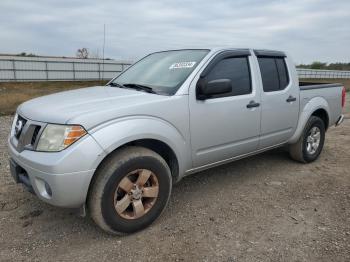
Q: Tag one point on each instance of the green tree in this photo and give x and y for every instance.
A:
(318, 65)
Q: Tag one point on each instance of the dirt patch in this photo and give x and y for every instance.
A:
(263, 208)
(14, 93)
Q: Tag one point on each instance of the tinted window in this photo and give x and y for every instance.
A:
(273, 73)
(237, 70)
(282, 72)
(269, 74)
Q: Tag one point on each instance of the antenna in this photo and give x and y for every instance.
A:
(103, 51)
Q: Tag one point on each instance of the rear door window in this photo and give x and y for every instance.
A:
(282, 72)
(274, 73)
(269, 74)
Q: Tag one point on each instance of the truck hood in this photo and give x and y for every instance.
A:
(66, 107)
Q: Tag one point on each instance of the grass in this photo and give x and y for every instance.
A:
(14, 93)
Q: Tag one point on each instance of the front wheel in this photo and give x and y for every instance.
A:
(310, 144)
(131, 189)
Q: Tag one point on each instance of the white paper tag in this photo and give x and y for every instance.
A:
(182, 65)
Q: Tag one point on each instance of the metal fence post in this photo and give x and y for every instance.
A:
(73, 70)
(47, 71)
(14, 69)
(99, 71)
(103, 69)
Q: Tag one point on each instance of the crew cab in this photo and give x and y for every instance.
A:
(116, 150)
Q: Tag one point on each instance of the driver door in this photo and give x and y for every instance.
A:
(226, 125)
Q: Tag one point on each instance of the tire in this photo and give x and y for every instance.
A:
(299, 151)
(132, 164)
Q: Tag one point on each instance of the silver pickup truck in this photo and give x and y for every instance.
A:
(116, 150)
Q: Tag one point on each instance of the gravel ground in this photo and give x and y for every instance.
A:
(263, 208)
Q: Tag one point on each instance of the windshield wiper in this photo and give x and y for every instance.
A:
(140, 87)
(134, 86)
(116, 85)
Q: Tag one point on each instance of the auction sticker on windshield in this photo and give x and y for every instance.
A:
(182, 65)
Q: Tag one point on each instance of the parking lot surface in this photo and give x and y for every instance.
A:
(263, 208)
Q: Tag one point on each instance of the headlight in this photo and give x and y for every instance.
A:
(12, 132)
(57, 137)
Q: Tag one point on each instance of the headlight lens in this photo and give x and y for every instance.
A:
(12, 132)
(57, 137)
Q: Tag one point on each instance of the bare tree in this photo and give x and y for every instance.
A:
(83, 53)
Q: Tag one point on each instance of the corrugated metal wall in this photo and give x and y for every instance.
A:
(16, 68)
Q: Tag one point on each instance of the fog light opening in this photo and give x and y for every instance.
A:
(48, 189)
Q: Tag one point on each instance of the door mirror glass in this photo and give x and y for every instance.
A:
(215, 87)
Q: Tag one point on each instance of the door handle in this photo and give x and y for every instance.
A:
(291, 99)
(253, 104)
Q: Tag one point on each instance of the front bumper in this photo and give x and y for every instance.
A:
(58, 178)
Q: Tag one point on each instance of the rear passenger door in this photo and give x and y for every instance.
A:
(279, 99)
(227, 125)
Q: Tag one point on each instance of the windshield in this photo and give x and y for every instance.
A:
(162, 72)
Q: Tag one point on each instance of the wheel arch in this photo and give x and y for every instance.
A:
(149, 132)
(317, 106)
(160, 147)
(322, 113)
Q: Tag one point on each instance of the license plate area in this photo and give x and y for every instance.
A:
(14, 168)
(20, 176)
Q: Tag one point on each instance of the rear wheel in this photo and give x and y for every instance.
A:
(310, 144)
(131, 189)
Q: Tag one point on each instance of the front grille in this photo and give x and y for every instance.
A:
(35, 135)
(26, 133)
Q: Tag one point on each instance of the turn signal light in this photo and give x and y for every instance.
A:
(73, 135)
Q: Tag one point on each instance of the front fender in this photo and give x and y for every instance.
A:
(309, 108)
(114, 134)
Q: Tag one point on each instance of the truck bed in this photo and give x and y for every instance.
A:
(331, 93)
(314, 85)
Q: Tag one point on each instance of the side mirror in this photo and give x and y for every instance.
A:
(215, 87)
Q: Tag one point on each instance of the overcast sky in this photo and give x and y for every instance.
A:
(308, 29)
